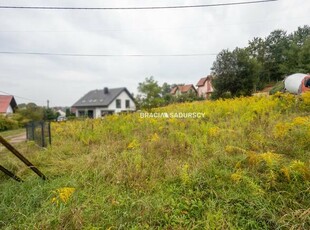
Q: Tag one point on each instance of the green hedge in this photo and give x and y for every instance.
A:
(7, 123)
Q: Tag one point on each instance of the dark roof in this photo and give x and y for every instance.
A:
(5, 101)
(202, 81)
(99, 98)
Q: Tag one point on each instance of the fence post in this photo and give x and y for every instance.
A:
(42, 134)
(49, 133)
(27, 132)
(32, 130)
(10, 174)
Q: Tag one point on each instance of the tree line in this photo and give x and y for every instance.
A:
(26, 113)
(242, 71)
(265, 60)
(151, 94)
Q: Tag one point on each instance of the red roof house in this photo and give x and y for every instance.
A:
(205, 87)
(183, 89)
(7, 104)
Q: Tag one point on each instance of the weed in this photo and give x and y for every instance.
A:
(245, 165)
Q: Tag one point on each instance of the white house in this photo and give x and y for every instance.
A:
(100, 102)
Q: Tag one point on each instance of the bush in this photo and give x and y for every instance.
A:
(216, 95)
(279, 87)
(7, 124)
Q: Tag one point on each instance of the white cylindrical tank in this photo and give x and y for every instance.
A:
(292, 82)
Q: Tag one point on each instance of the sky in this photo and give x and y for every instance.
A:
(64, 79)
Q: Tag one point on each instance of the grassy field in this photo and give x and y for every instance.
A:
(245, 165)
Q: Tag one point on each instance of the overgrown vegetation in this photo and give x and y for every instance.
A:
(7, 123)
(245, 165)
(278, 87)
(26, 113)
(245, 70)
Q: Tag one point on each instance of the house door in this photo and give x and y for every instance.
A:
(90, 113)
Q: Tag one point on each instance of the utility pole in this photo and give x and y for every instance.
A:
(48, 103)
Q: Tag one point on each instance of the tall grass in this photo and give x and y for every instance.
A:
(245, 165)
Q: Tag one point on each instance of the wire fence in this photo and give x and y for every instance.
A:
(39, 132)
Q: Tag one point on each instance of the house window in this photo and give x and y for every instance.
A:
(127, 104)
(81, 113)
(106, 112)
(118, 103)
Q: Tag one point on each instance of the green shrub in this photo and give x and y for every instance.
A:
(279, 87)
(7, 124)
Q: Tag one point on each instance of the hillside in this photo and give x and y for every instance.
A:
(244, 165)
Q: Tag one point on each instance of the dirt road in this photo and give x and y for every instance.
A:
(21, 137)
(17, 138)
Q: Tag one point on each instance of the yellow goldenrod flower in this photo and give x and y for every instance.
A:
(133, 145)
(62, 195)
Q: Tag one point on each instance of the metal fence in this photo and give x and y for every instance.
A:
(39, 132)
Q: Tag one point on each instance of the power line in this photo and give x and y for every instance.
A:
(106, 55)
(133, 8)
(24, 98)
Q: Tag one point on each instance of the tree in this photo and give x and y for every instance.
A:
(258, 51)
(263, 61)
(165, 89)
(22, 105)
(150, 96)
(277, 44)
(165, 93)
(304, 58)
(300, 35)
(49, 114)
(297, 56)
(235, 72)
(31, 112)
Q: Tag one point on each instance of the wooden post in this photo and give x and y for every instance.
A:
(42, 135)
(10, 174)
(32, 130)
(27, 132)
(49, 133)
(22, 158)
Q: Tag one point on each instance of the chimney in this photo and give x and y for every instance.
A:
(105, 90)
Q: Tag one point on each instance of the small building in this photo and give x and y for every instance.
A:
(183, 89)
(205, 88)
(8, 104)
(98, 103)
